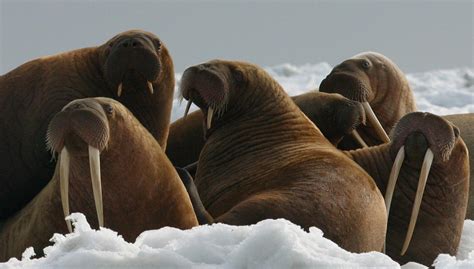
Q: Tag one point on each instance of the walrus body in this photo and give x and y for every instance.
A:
(375, 80)
(128, 68)
(140, 188)
(443, 206)
(334, 115)
(465, 123)
(264, 159)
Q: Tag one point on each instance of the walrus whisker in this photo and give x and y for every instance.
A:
(425, 170)
(359, 139)
(119, 89)
(375, 122)
(64, 184)
(210, 113)
(188, 106)
(150, 87)
(94, 162)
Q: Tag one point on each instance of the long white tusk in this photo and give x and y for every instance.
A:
(392, 180)
(119, 89)
(375, 122)
(150, 87)
(94, 163)
(425, 170)
(188, 105)
(210, 113)
(359, 139)
(64, 183)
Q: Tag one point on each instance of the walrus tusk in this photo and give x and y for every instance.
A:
(150, 87)
(94, 162)
(119, 89)
(359, 139)
(188, 106)
(375, 122)
(425, 170)
(64, 184)
(210, 113)
(392, 180)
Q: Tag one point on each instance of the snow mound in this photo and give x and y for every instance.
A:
(268, 244)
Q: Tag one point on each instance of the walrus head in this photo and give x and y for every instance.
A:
(81, 129)
(419, 139)
(132, 61)
(335, 115)
(211, 85)
(361, 79)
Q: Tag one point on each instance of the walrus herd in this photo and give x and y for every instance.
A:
(89, 131)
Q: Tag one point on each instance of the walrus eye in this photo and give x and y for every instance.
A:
(108, 109)
(157, 44)
(366, 64)
(111, 44)
(238, 76)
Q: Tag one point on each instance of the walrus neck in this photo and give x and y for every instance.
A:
(88, 67)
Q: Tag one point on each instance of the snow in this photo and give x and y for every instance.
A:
(270, 243)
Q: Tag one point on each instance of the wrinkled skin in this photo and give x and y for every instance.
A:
(141, 190)
(334, 115)
(264, 159)
(32, 93)
(371, 77)
(443, 208)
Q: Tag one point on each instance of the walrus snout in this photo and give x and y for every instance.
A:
(205, 85)
(81, 123)
(347, 85)
(440, 135)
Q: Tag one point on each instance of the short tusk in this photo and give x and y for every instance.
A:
(210, 113)
(94, 162)
(64, 184)
(392, 180)
(150, 87)
(359, 139)
(119, 89)
(425, 170)
(375, 122)
(188, 106)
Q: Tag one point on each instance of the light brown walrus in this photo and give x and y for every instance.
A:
(134, 185)
(382, 88)
(334, 115)
(133, 67)
(264, 158)
(428, 206)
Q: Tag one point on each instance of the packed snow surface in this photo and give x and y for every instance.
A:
(270, 243)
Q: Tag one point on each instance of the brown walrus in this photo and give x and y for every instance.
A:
(264, 158)
(378, 83)
(133, 67)
(134, 185)
(421, 226)
(465, 123)
(334, 115)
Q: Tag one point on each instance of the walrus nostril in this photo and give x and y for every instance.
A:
(130, 43)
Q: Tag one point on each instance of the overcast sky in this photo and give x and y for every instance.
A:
(417, 35)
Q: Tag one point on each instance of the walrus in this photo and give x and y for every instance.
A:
(134, 67)
(382, 88)
(263, 158)
(465, 123)
(134, 185)
(334, 115)
(426, 206)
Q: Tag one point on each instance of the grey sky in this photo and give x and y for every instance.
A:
(417, 35)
